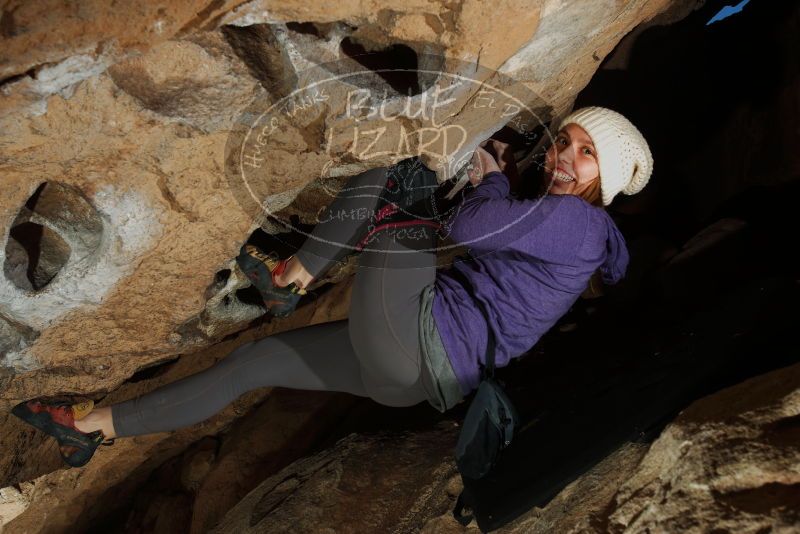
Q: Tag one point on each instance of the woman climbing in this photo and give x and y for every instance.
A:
(413, 333)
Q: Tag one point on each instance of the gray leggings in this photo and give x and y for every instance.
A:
(374, 353)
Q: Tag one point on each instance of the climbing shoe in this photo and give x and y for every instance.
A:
(58, 420)
(261, 268)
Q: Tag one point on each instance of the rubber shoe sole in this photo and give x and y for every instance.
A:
(259, 267)
(75, 447)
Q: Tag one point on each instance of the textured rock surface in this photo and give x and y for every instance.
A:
(378, 483)
(55, 491)
(50, 46)
(731, 461)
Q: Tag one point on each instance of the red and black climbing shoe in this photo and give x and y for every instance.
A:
(58, 420)
(261, 268)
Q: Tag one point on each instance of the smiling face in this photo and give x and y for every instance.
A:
(571, 163)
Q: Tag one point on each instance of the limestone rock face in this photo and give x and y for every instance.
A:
(730, 461)
(50, 46)
(352, 485)
(37, 483)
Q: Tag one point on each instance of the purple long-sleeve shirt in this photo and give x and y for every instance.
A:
(532, 260)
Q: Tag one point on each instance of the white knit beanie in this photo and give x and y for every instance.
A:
(622, 153)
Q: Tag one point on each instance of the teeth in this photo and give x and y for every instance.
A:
(564, 177)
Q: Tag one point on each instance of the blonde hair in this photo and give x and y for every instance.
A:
(593, 195)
